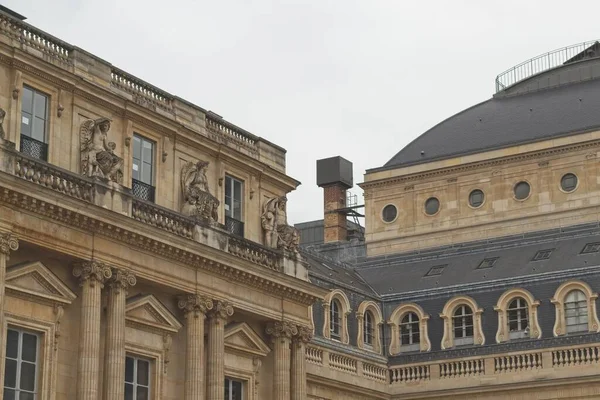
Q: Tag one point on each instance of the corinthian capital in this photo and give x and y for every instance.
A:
(122, 279)
(94, 271)
(8, 243)
(222, 310)
(281, 329)
(305, 334)
(195, 304)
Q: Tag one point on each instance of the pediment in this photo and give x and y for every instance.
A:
(240, 336)
(148, 311)
(35, 279)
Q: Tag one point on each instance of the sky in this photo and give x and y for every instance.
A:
(321, 78)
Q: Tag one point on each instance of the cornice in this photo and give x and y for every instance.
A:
(155, 246)
(480, 164)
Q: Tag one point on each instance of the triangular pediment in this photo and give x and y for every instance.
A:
(240, 336)
(35, 279)
(148, 311)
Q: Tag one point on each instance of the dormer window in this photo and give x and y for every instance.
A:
(335, 319)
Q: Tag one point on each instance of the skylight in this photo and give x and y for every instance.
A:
(542, 255)
(488, 263)
(437, 270)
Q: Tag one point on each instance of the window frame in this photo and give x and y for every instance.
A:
(467, 320)
(559, 300)
(137, 358)
(412, 345)
(231, 380)
(242, 195)
(45, 156)
(581, 304)
(152, 157)
(396, 347)
(533, 328)
(448, 313)
(345, 310)
(335, 319)
(37, 392)
(371, 308)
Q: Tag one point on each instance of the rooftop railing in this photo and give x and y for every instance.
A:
(544, 62)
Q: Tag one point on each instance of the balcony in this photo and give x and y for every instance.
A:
(34, 148)
(234, 226)
(142, 190)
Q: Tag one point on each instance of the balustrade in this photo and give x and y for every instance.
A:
(375, 372)
(228, 131)
(576, 356)
(342, 363)
(461, 368)
(518, 362)
(410, 374)
(142, 91)
(162, 218)
(314, 355)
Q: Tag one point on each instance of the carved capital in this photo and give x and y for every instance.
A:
(121, 279)
(194, 304)
(8, 243)
(222, 310)
(304, 335)
(279, 329)
(94, 271)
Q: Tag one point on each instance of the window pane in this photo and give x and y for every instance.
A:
(136, 169)
(27, 376)
(129, 369)
(237, 210)
(27, 101)
(469, 331)
(147, 173)
(10, 373)
(137, 147)
(236, 390)
(26, 122)
(29, 350)
(9, 394)
(12, 344)
(228, 186)
(143, 372)
(147, 151)
(39, 105)
(39, 128)
(237, 190)
(26, 396)
(129, 391)
(142, 393)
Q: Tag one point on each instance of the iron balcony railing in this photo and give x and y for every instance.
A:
(545, 62)
(142, 190)
(34, 148)
(234, 226)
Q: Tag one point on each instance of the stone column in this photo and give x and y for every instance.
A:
(281, 333)
(216, 349)
(299, 362)
(92, 275)
(114, 367)
(8, 243)
(195, 308)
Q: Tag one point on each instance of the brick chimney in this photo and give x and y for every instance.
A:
(334, 175)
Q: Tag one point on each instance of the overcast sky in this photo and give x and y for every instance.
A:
(360, 79)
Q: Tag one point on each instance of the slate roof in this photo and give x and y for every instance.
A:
(505, 121)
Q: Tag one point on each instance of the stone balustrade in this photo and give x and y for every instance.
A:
(141, 91)
(460, 368)
(162, 218)
(518, 362)
(410, 374)
(225, 132)
(314, 355)
(375, 372)
(342, 363)
(576, 356)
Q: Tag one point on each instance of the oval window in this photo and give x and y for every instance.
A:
(568, 182)
(522, 190)
(389, 213)
(476, 198)
(432, 206)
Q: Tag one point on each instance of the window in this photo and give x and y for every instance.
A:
(368, 328)
(576, 312)
(234, 190)
(335, 319)
(476, 198)
(432, 206)
(522, 190)
(233, 389)
(591, 248)
(437, 270)
(389, 213)
(568, 182)
(542, 255)
(34, 123)
(137, 378)
(462, 323)
(518, 318)
(143, 168)
(21, 365)
(410, 336)
(488, 263)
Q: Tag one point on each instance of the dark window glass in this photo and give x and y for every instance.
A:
(389, 213)
(463, 322)
(432, 206)
(522, 190)
(409, 330)
(233, 389)
(34, 114)
(137, 378)
(476, 198)
(20, 365)
(576, 312)
(233, 198)
(335, 319)
(568, 182)
(518, 319)
(143, 160)
(368, 328)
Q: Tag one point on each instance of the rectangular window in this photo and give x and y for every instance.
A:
(21, 365)
(233, 389)
(137, 378)
(234, 192)
(143, 168)
(34, 123)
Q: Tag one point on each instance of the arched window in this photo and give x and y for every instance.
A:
(368, 329)
(518, 318)
(462, 324)
(410, 335)
(576, 311)
(335, 319)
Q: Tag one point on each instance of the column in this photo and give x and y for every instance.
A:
(195, 308)
(8, 243)
(216, 349)
(114, 367)
(281, 333)
(92, 275)
(299, 362)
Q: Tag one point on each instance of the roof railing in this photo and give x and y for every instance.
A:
(541, 63)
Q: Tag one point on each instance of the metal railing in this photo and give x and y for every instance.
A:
(34, 148)
(544, 62)
(234, 226)
(142, 190)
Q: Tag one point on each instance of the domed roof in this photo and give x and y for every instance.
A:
(505, 121)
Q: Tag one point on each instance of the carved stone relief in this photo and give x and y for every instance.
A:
(98, 158)
(2, 115)
(277, 233)
(197, 200)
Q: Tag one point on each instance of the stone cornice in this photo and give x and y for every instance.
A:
(159, 247)
(481, 164)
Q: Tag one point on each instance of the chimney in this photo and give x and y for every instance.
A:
(334, 175)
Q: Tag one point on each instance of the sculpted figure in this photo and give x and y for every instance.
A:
(98, 156)
(197, 200)
(2, 115)
(278, 234)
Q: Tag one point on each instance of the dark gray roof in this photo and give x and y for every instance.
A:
(505, 121)
(407, 273)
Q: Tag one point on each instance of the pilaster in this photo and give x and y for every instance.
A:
(216, 349)
(114, 368)
(281, 333)
(8, 243)
(194, 307)
(298, 361)
(92, 276)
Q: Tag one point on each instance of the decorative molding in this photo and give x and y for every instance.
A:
(150, 314)
(242, 338)
(122, 279)
(59, 108)
(58, 313)
(8, 243)
(194, 303)
(167, 343)
(279, 329)
(221, 311)
(560, 325)
(373, 308)
(395, 321)
(18, 83)
(448, 313)
(94, 271)
(533, 327)
(35, 281)
(339, 295)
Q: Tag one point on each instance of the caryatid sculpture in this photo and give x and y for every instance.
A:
(197, 200)
(278, 234)
(98, 156)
